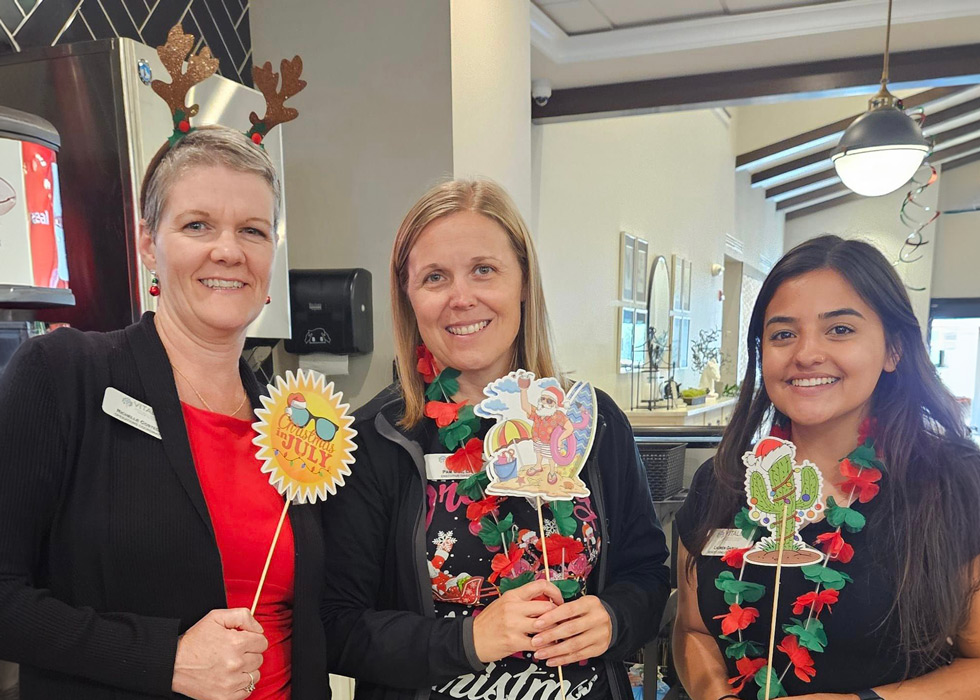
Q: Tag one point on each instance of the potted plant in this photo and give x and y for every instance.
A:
(694, 397)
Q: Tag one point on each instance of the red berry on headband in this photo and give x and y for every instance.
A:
(184, 126)
(256, 138)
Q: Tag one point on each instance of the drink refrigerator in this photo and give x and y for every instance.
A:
(111, 123)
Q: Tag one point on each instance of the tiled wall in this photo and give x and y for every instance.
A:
(220, 24)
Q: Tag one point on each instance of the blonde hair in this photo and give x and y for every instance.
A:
(533, 342)
(213, 144)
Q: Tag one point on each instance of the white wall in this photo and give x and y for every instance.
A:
(491, 67)
(667, 178)
(957, 236)
(875, 219)
(374, 131)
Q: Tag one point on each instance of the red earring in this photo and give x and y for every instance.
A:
(268, 300)
(154, 284)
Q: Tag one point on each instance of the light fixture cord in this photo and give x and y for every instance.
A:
(888, 36)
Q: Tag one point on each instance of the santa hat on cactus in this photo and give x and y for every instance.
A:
(770, 450)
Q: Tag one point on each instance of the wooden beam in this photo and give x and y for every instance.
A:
(962, 151)
(960, 162)
(806, 211)
(753, 159)
(794, 185)
(807, 162)
(938, 67)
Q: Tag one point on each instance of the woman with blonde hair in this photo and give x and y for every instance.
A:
(419, 604)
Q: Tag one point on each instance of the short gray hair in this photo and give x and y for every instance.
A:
(206, 145)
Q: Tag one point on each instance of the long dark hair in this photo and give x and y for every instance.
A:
(932, 468)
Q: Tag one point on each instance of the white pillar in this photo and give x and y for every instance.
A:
(491, 64)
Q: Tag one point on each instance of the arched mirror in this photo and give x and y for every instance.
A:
(658, 313)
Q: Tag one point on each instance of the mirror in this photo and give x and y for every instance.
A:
(658, 312)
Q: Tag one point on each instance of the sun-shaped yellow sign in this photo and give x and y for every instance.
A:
(304, 437)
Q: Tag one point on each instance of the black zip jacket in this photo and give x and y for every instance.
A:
(378, 609)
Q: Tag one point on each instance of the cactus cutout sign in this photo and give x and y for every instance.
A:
(776, 485)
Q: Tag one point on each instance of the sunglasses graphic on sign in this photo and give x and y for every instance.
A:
(301, 417)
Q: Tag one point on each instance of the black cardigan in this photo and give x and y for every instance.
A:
(107, 552)
(378, 602)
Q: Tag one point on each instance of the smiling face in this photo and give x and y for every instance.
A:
(213, 250)
(465, 286)
(823, 350)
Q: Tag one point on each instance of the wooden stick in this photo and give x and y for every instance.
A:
(547, 576)
(775, 598)
(268, 559)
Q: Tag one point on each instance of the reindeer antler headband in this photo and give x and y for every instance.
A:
(200, 66)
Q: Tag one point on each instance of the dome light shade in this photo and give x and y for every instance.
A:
(880, 151)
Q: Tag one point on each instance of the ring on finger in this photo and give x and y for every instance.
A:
(251, 682)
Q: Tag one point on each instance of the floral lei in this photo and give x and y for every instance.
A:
(862, 468)
(457, 425)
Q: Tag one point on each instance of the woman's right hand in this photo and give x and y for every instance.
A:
(506, 625)
(219, 656)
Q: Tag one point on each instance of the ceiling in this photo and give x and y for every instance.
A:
(797, 174)
(587, 16)
(593, 42)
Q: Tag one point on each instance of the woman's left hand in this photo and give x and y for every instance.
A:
(572, 632)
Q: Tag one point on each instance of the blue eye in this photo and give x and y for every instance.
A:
(195, 226)
(434, 277)
(484, 270)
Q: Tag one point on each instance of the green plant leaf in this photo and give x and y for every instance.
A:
(827, 577)
(733, 588)
(444, 386)
(569, 587)
(811, 634)
(455, 435)
(467, 417)
(562, 510)
(750, 529)
(737, 650)
(507, 584)
(842, 516)
(473, 487)
(776, 689)
(864, 456)
(492, 532)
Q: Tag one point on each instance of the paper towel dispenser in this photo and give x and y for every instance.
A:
(331, 312)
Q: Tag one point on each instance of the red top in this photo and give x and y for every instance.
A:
(245, 510)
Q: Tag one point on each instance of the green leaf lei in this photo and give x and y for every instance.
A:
(809, 632)
(493, 530)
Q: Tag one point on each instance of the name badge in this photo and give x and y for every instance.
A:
(130, 411)
(436, 469)
(722, 540)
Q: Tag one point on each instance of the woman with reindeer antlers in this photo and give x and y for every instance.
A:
(134, 519)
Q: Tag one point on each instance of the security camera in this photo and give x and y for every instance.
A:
(541, 91)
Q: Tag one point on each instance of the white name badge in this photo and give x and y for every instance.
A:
(436, 469)
(130, 411)
(722, 540)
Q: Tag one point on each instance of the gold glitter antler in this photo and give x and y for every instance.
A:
(267, 81)
(200, 67)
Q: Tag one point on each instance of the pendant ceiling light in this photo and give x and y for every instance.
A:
(881, 149)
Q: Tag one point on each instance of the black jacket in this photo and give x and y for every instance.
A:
(107, 553)
(378, 610)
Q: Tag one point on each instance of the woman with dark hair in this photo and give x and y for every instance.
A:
(846, 377)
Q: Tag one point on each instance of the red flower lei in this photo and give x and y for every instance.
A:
(861, 469)
(457, 425)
